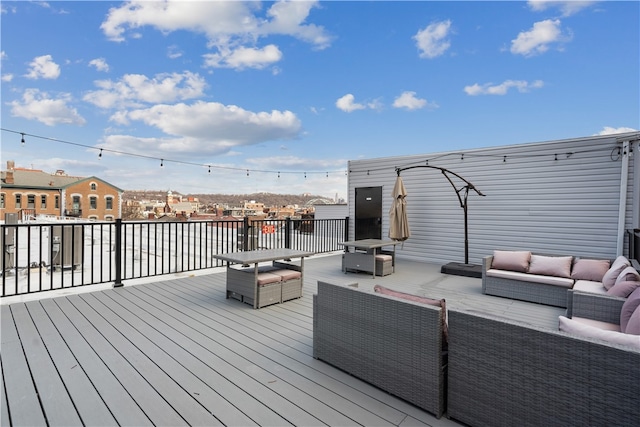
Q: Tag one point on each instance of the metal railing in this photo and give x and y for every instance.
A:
(39, 257)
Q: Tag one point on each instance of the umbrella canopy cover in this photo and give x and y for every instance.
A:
(398, 222)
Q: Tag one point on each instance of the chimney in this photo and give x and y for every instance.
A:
(8, 179)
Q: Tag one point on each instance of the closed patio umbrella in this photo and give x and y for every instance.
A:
(398, 222)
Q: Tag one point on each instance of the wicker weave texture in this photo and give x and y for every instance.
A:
(243, 283)
(521, 290)
(392, 344)
(291, 289)
(605, 308)
(507, 374)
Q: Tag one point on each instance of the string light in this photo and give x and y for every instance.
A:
(22, 140)
(161, 163)
(209, 168)
(100, 154)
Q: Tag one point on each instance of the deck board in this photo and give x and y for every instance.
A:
(111, 391)
(175, 351)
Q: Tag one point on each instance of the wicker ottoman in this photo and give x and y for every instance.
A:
(291, 283)
(384, 265)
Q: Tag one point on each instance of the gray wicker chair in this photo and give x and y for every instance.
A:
(503, 373)
(394, 344)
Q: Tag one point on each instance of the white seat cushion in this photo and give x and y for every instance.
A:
(589, 286)
(535, 278)
(598, 324)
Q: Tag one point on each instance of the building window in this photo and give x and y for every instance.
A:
(2, 201)
(18, 201)
(31, 201)
(108, 217)
(93, 186)
(93, 202)
(109, 201)
(56, 202)
(43, 202)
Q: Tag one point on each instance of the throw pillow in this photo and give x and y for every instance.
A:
(511, 260)
(577, 328)
(628, 273)
(410, 297)
(628, 308)
(623, 289)
(612, 274)
(633, 327)
(557, 266)
(590, 269)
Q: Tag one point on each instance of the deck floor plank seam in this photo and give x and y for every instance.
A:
(214, 343)
(22, 394)
(138, 387)
(305, 359)
(86, 399)
(116, 333)
(123, 407)
(182, 353)
(262, 355)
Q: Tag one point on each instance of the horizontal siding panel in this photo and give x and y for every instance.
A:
(569, 205)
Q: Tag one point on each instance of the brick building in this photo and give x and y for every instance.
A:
(35, 192)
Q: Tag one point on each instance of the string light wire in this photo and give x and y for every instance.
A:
(161, 160)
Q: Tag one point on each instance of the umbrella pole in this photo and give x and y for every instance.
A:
(466, 230)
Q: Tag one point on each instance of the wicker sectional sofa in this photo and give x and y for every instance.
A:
(394, 344)
(503, 373)
(540, 278)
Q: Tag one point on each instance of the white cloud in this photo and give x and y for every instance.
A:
(347, 103)
(204, 127)
(36, 105)
(227, 25)
(244, 57)
(7, 77)
(567, 8)
(137, 89)
(607, 130)
(538, 38)
(432, 40)
(288, 18)
(409, 101)
(43, 67)
(174, 52)
(3, 55)
(502, 88)
(100, 64)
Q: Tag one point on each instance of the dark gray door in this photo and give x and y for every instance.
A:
(368, 223)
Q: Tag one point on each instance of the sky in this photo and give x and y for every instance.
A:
(241, 97)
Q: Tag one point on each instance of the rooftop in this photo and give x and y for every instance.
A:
(175, 351)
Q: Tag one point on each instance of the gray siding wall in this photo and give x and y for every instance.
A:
(558, 197)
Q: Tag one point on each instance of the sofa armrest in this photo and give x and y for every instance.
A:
(486, 265)
(604, 308)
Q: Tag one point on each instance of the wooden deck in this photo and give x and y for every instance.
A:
(176, 352)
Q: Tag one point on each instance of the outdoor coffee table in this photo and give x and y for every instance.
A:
(366, 261)
(243, 283)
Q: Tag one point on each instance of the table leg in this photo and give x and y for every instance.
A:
(255, 286)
